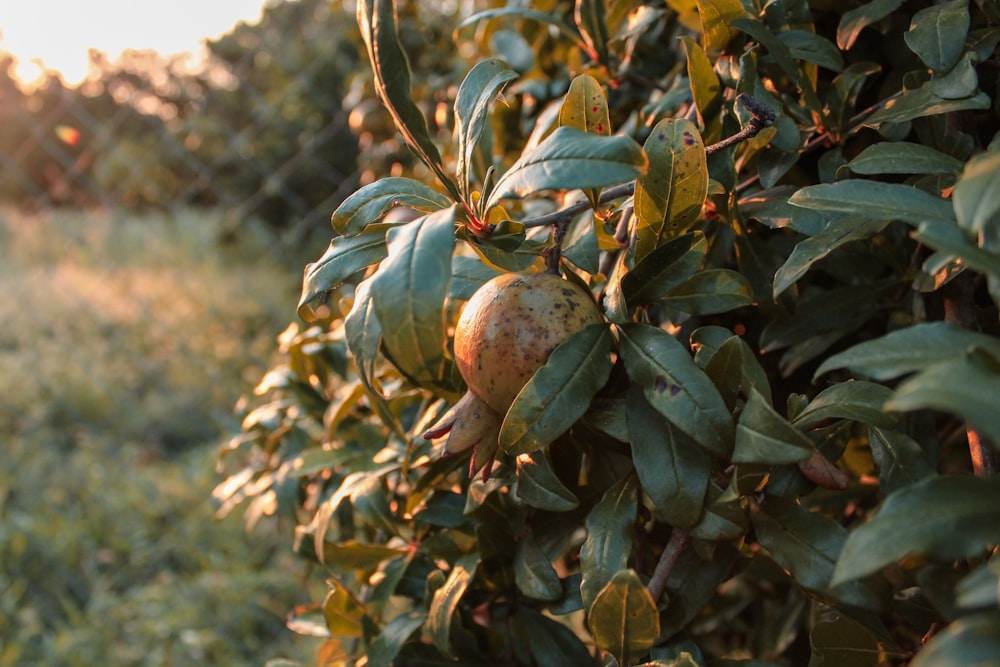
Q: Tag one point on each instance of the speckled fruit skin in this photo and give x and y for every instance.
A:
(509, 328)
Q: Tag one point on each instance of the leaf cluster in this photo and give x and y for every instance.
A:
(777, 450)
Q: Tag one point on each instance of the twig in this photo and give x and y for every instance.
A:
(679, 540)
(762, 116)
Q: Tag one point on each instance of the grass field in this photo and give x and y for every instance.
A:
(124, 344)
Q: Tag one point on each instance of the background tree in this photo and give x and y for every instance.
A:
(776, 449)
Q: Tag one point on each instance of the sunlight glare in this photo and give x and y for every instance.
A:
(56, 35)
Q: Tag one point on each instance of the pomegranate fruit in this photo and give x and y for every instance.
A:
(506, 332)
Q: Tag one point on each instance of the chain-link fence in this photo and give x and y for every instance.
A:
(261, 129)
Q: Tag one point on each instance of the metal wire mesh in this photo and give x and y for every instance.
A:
(259, 130)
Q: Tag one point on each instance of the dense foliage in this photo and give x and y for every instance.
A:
(779, 449)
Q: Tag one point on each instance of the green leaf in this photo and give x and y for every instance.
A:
(875, 200)
(710, 292)
(533, 572)
(623, 618)
(342, 611)
(764, 436)
(676, 387)
(670, 196)
(732, 365)
(345, 257)
(944, 518)
(692, 585)
(937, 34)
(352, 555)
(529, 14)
(899, 459)
(609, 537)
(716, 18)
(372, 202)
(972, 641)
(664, 268)
(909, 350)
(967, 386)
(446, 599)
(843, 642)
(853, 21)
(590, 19)
(843, 96)
(673, 471)
(836, 234)
(391, 70)
(390, 640)
(409, 291)
(472, 105)
(559, 392)
(550, 642)
(923, 101)
(807, 544)
(364, 334)
(949, 238)
(857, 401)
(571, 159)
(468, 274)
(812, 48)
(585, 106)
(981, 587)
(977, 199)
(705, 87)
(902, 157)
(538, 485)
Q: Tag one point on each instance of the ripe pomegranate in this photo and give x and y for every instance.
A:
(506, 332)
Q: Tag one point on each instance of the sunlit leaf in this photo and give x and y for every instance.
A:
(623, 617)
(669, 197)
(716, 18)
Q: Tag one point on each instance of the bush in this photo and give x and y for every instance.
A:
(778, 450)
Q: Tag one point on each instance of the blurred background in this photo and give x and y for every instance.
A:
(166, 170)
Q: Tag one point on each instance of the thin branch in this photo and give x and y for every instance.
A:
(762, 116)
(679, 540)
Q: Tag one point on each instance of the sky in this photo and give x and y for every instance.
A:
(58, 33)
